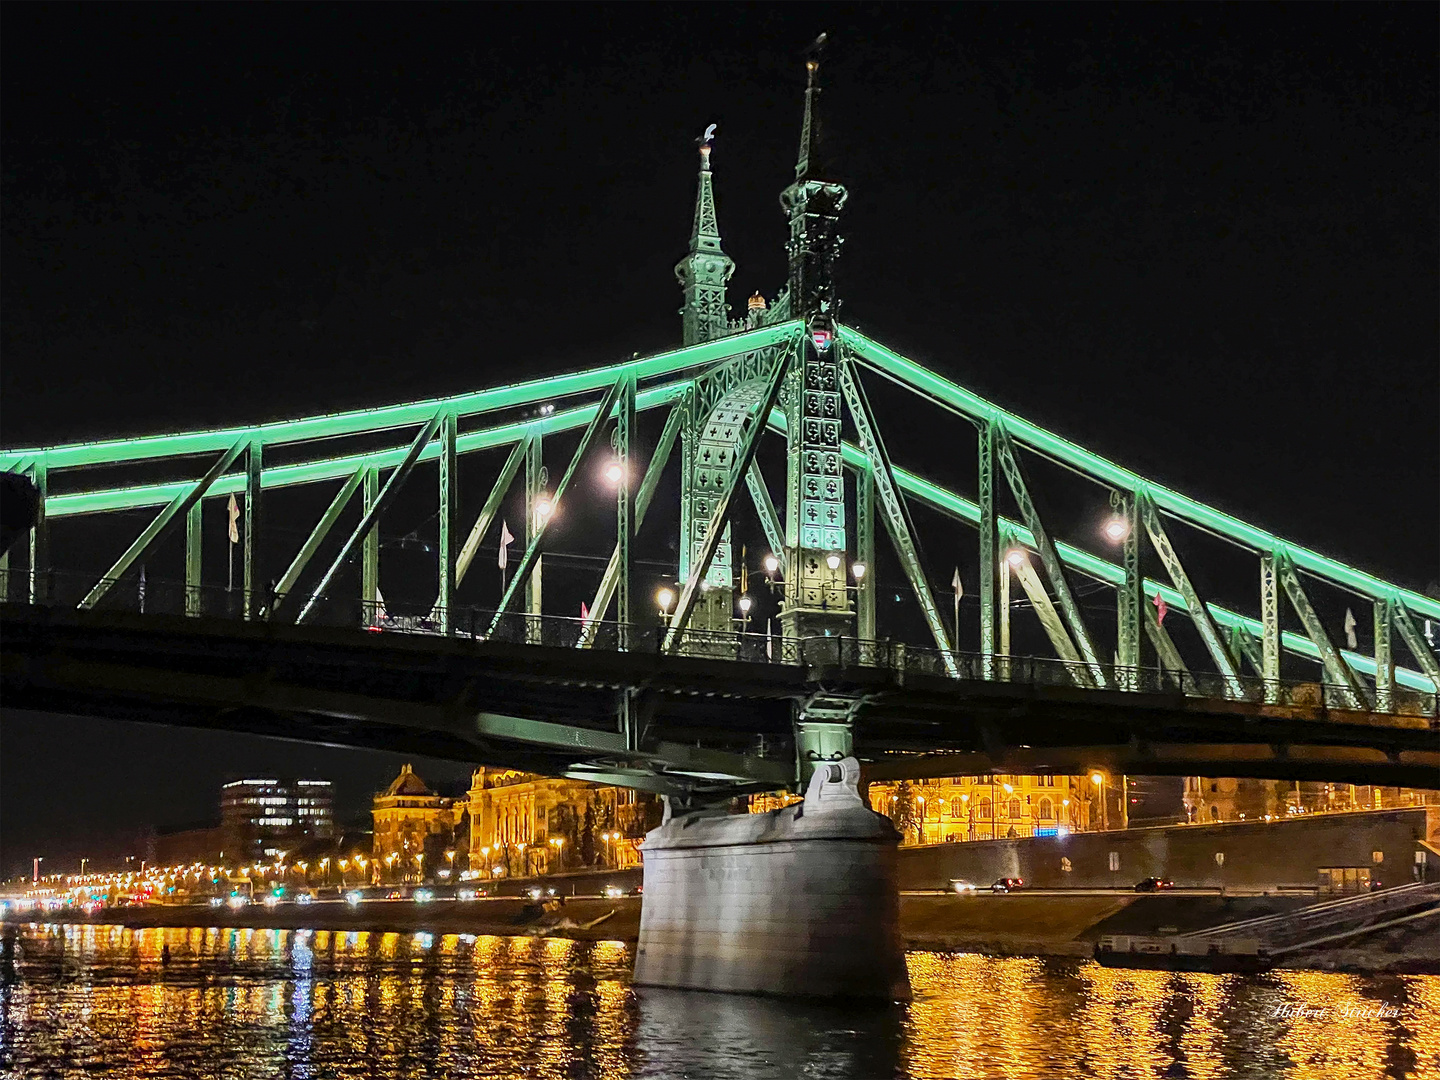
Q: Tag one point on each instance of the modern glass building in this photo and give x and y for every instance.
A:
(262, 817)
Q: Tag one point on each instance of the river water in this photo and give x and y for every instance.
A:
(101, 1001)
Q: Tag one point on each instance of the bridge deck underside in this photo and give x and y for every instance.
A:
(698, 723)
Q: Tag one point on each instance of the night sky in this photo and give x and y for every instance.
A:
(1199, 240)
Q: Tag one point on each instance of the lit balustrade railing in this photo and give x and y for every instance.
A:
(60, 589)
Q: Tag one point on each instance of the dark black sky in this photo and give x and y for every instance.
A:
(1201, 240)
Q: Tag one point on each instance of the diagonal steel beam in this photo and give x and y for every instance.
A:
(1198, 614)
(769, 519)
(537, 541)
(1014, 471)
(1243, 646)
(610, 579)
(957, 399)
(1170, 658)
(552, 388)
(1415, 641)
(312, 543)
(959, 508)
(1337, 671)
(372, 513)
(490, 509)
(1050, 620)
(720, 515)
(893, 510)
(180, 505)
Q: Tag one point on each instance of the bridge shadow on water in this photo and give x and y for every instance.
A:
(691, 1033)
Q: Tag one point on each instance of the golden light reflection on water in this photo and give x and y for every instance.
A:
(97, 1000)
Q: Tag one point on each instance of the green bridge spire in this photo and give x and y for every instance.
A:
(706, 268)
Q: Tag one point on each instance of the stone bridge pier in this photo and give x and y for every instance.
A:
(799, 902)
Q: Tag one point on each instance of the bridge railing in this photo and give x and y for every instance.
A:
(62, 589)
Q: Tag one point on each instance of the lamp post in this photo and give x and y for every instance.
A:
(664, 600)
(1098, 779)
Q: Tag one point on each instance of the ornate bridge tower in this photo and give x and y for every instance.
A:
(706, 441)
(816, 598)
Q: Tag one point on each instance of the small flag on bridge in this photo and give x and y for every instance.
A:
(1160, 609)
(1350, 629)
(505, 541)
(233, 510)
(957, 584)
(584, 612)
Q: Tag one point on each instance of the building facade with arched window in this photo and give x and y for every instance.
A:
(961, 808)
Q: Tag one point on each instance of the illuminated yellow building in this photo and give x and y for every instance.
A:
(1003, 806)
(524, 824)
(414, 830)
(1226, 798)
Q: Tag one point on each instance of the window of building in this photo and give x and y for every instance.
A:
(957, 807)
(983, 809)
(1047, 810)
(1015, 809)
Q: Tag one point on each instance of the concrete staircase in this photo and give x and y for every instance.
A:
(1330, 921)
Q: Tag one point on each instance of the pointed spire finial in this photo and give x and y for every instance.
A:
(809, 129)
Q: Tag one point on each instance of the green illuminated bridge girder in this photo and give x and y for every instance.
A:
(693, 359)
(309, 472)
(914, 377)
(362, 421)
(962, 509)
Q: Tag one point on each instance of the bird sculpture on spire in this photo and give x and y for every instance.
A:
(708, 137)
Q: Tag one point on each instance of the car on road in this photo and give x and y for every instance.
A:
(1153, 884)
(961, 886)
(1007, 884)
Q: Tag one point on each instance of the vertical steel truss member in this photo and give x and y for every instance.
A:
(449, 510)
(1049, 559)
(537, 540)
(181, 504)
(370, 549)
(491, 508)
(624, 440)
(765, 510)
(714, 529)
(372, 514)
(536, 477)
(1170, 658)
(1050, 620)
(1416, 642)
(313, 541)
(254, 483)
(1198, 613)
(1384, 657)
(1269, 628)
(865, 626)
(39, 537)
(893, 509)
(989, 545)
(1337, 670)
(193, 539)
(1130, 594)
(610, 579)
(1003, 607)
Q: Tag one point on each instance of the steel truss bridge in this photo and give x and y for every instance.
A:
(686, 703)
(676, 705)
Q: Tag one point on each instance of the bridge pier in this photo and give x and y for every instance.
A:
(798, 902)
